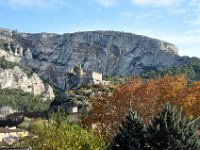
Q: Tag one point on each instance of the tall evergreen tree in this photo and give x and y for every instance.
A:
(170, 131)
(131, 135)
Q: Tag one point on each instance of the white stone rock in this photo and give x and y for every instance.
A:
(107, 52)
(5, 111)
(17, 78)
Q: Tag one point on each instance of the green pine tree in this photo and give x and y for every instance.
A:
(131, 134)
(170, 131)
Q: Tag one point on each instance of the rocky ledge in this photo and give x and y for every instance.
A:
(108, 52)
(17, 78)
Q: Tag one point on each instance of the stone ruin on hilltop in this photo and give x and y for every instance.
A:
(78, 77)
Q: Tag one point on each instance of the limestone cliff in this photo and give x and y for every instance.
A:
(17, 78)
(5, 111)
(108, 52)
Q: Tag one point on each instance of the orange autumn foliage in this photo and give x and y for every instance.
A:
(107, 111)
(146, 98)
(191, 100)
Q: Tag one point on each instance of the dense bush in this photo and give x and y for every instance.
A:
(168, 131)
(131, 134)
(6, 64)
(191, 69)
(58, 135)
(22, 101)
(16, 98)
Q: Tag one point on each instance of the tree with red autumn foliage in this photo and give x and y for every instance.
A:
(146, 98)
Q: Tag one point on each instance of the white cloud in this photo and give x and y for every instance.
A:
(195, 13)
(150, 15)
(107, 3)
(194, 2)
(193, 32)
(34, 3)
(155, 2)
(177, 11)
(126, 14)
(195, 22)
(187, 43)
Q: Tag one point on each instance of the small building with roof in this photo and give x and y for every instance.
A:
(78, 77)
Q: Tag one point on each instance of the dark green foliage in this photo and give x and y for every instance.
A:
(58, 135)
(22, 101)
(9, 65)
(114, 79)
(1, 46)
(6, 64)
(167, 131)
(57, 91)
(2, 42)
(16, 98)
(170, 131)
(190, 68)
(131, 134)
(77, 69)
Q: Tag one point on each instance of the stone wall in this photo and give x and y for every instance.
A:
(97, 76)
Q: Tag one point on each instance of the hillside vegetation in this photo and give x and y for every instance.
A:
(5, 64)
(146, 98)
(22, 101)
(191, 69)
(17, 98)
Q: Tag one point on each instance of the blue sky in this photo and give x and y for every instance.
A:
(175, 21)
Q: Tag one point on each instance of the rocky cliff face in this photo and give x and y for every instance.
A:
(108, 52)
(16, 78)
(5, 111)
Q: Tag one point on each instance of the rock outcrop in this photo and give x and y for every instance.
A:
(17, 78)
(108, 52)
(5, 111)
